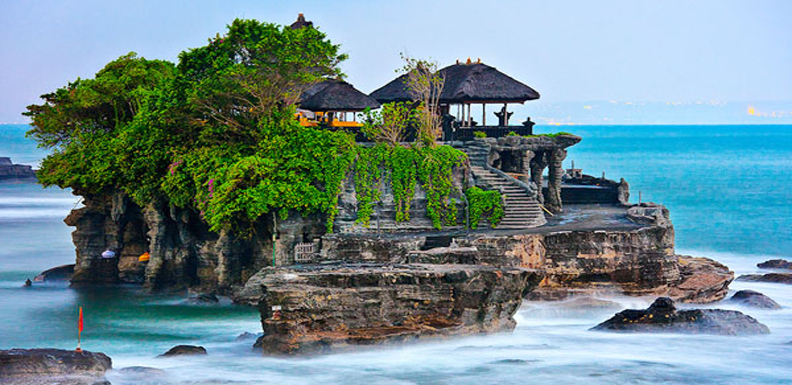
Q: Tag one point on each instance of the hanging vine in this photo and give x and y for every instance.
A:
(489, 203)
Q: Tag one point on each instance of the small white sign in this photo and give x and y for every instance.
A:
(276, 308)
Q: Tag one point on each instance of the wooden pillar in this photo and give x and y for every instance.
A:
(483, 114)
(470, 120)
(505, 115)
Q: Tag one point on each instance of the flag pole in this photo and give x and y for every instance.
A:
(79, 331)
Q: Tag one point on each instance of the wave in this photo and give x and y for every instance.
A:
(33, 213)
(15, 201)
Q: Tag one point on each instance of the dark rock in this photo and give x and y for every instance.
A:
(52, 366)
(248, 336)
(769, 277)
(323, 308)
(204, 298)
(184, 350)
(576, 307)
(10, 170)
(775, 264)
(754, 299)
(662, 316)
(56, 274)
(141, 371)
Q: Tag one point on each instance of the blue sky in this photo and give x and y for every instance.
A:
(573, 52)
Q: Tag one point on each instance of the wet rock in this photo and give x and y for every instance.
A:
(141, 370)
(576, 307)
(184, 350)
(324, 308)
(775, 264)
(662, 316)
(56, 274)
(701, 280)
(754, 299)
(52, 366)
(203, 298)
(248, 336)
(769, 277)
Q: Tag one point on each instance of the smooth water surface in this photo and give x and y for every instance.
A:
(727, 188)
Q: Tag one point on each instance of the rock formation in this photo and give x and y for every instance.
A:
(9, 170)
(769, 277)
(322, 308)
(754, 299)
(775, 264)
(56, 274)
(184, 350)
(662, 316)
(52, 366)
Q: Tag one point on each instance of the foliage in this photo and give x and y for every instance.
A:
(389, 124)
(487, 203)
(435, 174)
(297, 168)
(512, 133)
(479, 134)
(368, 179)
(426, 85)
(215, 133)
(406, 166)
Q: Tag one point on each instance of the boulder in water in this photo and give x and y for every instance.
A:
(204, 298)
(769, 277)
(775, 264)
(754, 299)
(662, 316)
(184, 350)
(56, 274)
(52, 366)
(248, 336)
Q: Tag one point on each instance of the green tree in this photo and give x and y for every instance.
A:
(389, 124)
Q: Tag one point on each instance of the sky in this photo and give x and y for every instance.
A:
(579, 55)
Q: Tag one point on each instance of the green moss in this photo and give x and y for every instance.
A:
(552, 135)
(479, 134)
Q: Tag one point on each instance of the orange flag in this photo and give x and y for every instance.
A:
(80, 322)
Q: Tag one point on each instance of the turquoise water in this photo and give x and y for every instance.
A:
(727, 188)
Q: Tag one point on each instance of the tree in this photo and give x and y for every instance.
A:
(253, 75)
(389, 124)
(425, 84)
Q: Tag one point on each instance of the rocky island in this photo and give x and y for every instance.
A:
(10, 170)
(405, 224)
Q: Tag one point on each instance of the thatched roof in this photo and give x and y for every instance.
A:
(301, 22)
(474, 83)
(336, 95)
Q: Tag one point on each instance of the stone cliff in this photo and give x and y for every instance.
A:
(329, 307)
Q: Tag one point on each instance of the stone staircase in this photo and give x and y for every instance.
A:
(522, 210)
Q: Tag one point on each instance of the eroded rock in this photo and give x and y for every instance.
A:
(754, 299)
(52, 366)
(701, 280)
(775, 264)
(324, 308)
(662, 316)
(184, 350)
(56, 274)
(769, 277)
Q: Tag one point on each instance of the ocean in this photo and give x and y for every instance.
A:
(727, 187)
